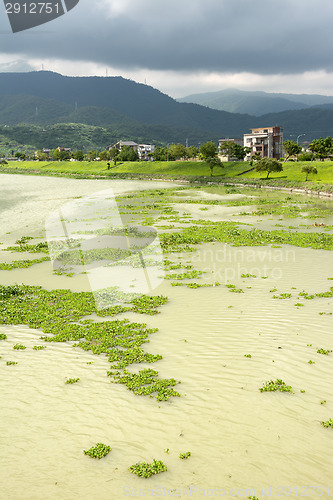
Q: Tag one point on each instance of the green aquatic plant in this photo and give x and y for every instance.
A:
(185, 455)
(61, 316)
(72, 380)
(324, 351)
(39, 347)
(3, 336)
(9, 291)
(311, 362)
(21, 264)
(232, 288)
(328, 423)
(277, 385)
(99, 451)
(19, 347)
(282, 296)
(247, 356)
(8, 363)
(144, 469)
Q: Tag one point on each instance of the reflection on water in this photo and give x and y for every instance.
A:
(243, 442)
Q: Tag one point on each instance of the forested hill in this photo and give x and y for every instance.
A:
(136, 110)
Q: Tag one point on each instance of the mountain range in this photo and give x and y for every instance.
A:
(257, 103)
(123, 109)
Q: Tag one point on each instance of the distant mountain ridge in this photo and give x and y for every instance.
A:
(130, 110)
(257, 103)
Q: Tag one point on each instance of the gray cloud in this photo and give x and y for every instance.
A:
(258, 36)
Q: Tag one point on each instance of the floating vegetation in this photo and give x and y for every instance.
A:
(146, 383)
(232, 288)
(328, 423)
(21, 264)
(3, 336)
(324, 351)
(72, 380)
(99, 451)
(311, 362)
(8, 363)
(282, 296)
(22, 246)
(60, 315)
(144, 469)
(277, 385)
(247, 356)
(8, 291)
(182, 276)
(202, 231)
(39, 347)
(19, 347)
(185, 455)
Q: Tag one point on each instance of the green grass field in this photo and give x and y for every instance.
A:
(175, 169)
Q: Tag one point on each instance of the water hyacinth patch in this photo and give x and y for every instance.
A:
(328, 423)
(72, 380)
(185, 455)
(99, 451)
(144, 469)
(324, 351)
(19, 347)
(277, 385)
(60, 314)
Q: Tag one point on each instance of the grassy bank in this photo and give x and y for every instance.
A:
(291, 176)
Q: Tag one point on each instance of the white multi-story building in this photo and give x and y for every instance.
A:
(268, 142)
(144, 150)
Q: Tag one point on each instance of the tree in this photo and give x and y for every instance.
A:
(291, 148)
(269, 165)
(208, 150)
(177, 151)
(92, 155)
(19, 155)
(160, 153)
(227, 148)
(213, 162)
(127, 153)
(104, 155)
(321, 148)
(192, 152)
(78, 155)
(255, 157)
(308, 169)
(114, 155)
(241, 151)
(40, 155)
(64, 155)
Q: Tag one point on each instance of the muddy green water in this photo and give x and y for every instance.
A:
(242, 442)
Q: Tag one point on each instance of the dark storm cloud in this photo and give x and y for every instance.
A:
(258, 36)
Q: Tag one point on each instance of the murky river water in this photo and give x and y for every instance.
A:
(243, 443)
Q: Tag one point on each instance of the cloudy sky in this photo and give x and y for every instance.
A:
(184, 46)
